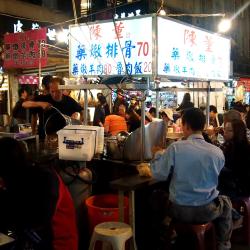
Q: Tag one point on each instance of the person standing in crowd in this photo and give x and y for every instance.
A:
(51, 120)
(45, 84)
(234, 179)
(120, 99)
(35, 204)
(232, 103)
(194, 198)
(19, 112)
(40, 98)
(133, 115)
(21, 109)
(116, 123)
(101, 111)
(214, 119)
(186, 103)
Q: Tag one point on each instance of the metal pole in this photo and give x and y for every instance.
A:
(208, 103)
(39, 65)
(157, 94)
(85, 117)
(74, 10)
(143, 127)
(143, 123)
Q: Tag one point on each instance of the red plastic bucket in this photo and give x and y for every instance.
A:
(102, 208)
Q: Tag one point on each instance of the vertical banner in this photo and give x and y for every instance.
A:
(22, 50)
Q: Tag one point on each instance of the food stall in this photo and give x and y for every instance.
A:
(167, 49)
(116, 48)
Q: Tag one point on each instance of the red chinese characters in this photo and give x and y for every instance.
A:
(119, 30)
(95, 32)
(190, 37)
(209, 43)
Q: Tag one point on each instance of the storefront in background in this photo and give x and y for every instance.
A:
(242, 92)
(4, 93)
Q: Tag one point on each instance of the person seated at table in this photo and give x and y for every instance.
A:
(235, 176)
(116, 122)
(194, 166)
(233, 115)
(167, 116)
(35, 204)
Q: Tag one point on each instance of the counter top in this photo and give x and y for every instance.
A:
(133, 182)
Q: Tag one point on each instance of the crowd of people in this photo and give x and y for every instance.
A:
(220, 168)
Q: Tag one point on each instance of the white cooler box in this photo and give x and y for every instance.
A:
(79, 142)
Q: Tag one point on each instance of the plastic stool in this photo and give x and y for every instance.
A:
(116, 233)
(199, 231)
(242, 235)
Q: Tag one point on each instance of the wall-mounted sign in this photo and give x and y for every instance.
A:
(22, 50)
(188, 52)
(112, 48)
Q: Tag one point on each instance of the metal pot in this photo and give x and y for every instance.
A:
(115, 145)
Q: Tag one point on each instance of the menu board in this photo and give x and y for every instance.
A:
(22, 49)
(188, 52)
(120, 47)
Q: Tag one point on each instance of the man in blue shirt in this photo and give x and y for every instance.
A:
(194, 166)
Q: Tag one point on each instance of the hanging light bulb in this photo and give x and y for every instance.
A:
(161, 10)
(224, 25)
(62, 36)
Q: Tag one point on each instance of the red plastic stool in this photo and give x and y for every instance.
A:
(242, 234)
(203, 233)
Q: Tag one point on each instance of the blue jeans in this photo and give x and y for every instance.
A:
(219, 211)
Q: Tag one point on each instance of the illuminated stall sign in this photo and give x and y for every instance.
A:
(188, 52)
(245, 82)
(22, 50)
(112, 48)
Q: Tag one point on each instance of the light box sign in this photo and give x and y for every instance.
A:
(112, 48)
(188, 52)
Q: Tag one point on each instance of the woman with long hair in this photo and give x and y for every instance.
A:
(234, 179)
